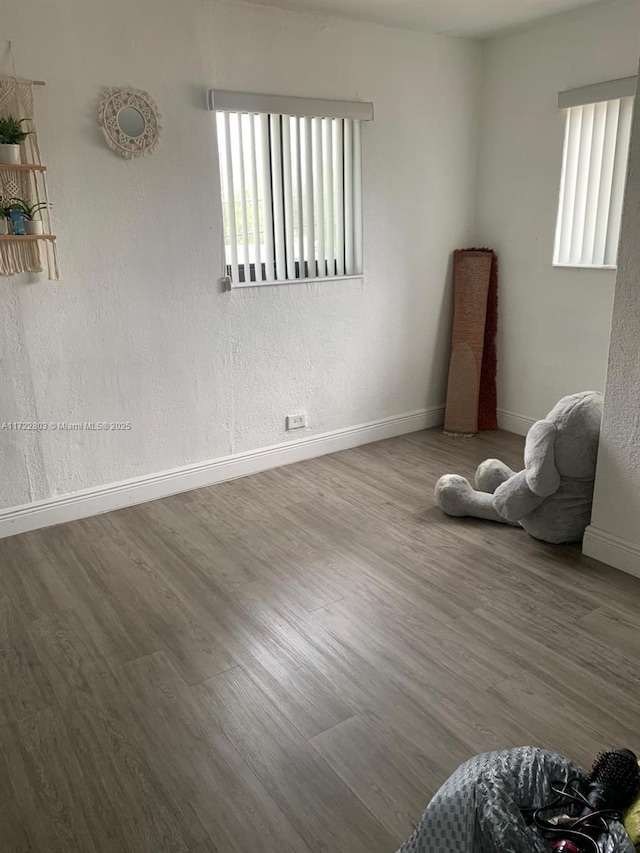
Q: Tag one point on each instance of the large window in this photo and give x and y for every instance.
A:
(291, 190)
(594, 167)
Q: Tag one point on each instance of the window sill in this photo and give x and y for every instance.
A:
(227, 284)
(586, 266)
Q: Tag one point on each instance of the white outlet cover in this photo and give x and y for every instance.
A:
(298, 421)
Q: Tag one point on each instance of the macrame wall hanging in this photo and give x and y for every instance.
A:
(26, 180)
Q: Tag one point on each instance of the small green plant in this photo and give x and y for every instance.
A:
(29, 211)
(5, 211)
(11, 132)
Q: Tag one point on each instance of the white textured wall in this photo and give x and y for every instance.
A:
(616, 507)
(137, 329)
(554, 323)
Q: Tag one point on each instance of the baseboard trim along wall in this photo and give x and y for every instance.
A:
(610, 549)
(142, 489)
(511, 422)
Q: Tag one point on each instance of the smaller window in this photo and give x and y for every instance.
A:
(291, 191)
(594, 168)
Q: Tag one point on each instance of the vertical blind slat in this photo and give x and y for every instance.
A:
(593, 185)
(246, 257)
(348, 197)
(278, 200)
(338, 180)
(255, 200)
(606, 180)
(328, 194)
(559, 242)
(619, 178)
(309, 224)
(300, 198)
(288, 196)
(318, 192)
(266, 198)
(582, 179)
(233, 244)
(570, 182)
(357, 196)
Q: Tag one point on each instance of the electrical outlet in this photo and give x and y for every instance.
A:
(296, 421)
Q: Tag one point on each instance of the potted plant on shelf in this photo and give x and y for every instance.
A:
(11, 136)
(5, 213)
(29, 213)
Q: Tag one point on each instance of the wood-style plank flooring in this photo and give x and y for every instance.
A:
(293, 662)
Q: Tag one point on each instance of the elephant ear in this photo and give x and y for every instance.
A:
(539, 459)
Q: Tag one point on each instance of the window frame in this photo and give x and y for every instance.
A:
(612, 145)
(320, 117)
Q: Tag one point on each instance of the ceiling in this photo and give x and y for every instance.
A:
(475, 18)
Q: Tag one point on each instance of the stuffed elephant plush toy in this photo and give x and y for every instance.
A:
(551, 499)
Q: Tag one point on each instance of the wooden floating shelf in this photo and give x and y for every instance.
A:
(26, 238)
(22, 167)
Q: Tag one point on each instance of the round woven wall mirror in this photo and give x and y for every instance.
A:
(130, 121)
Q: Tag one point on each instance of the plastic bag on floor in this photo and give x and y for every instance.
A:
(477, 810)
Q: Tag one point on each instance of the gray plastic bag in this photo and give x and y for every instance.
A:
(477, 810)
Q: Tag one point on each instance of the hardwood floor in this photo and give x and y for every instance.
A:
(294, 662)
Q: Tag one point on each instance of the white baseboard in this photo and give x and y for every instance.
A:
(511, 422)
(610, 549)
(142, 489)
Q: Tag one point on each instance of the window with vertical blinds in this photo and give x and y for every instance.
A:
(596, 148)
(291, 194)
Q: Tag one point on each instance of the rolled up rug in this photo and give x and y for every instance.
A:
(471, 389)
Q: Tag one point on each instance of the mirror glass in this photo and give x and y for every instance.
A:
(131, 122)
